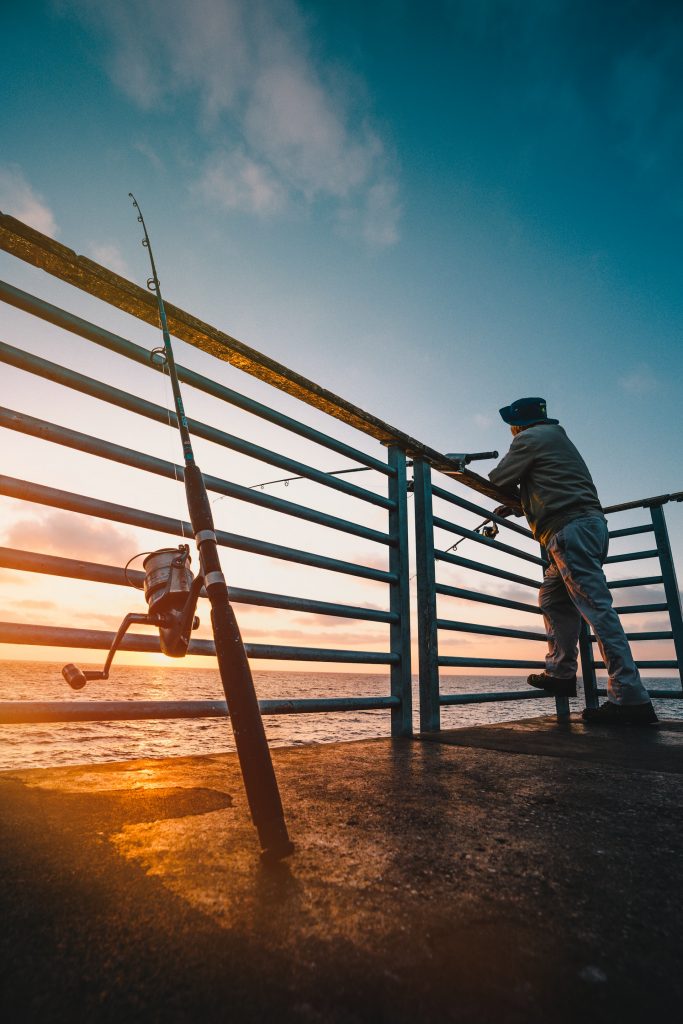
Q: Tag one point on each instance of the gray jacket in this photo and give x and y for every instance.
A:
(554, 483)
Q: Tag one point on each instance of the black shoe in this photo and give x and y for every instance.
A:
(621, 714)
(558, 687)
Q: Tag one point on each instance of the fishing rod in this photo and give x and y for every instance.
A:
(491, 532)
(462, 458)
(172, 594)
(287, 480)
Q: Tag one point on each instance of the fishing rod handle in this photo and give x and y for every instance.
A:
(466, 457)
(472, 456)
(260, 782)
(198, 503)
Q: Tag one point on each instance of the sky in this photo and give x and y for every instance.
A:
(431, 209)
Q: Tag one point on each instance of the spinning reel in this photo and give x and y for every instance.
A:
(171, 592)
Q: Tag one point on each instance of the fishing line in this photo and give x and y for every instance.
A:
(286, 480)
(491, 534)
(129, 581)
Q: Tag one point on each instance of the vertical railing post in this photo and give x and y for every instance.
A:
(673, 597)
(590, 682)
(430, 711)
(399, 597)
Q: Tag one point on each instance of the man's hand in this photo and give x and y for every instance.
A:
(505, 510)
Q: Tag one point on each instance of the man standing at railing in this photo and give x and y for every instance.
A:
(549, 481)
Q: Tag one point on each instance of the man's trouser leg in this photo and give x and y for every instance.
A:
(579, 550)
(562, 624)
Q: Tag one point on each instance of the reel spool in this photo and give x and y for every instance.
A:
(168, 578)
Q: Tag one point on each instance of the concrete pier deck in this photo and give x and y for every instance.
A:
(526, 872)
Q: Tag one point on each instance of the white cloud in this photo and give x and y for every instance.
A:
(640, 381)
(53, 531)
(293, 121)
(376, 218)
(162, 48)
(382, 214)
(110, 256)
(233, 181)
(18, 198)
(280, 129)
(148, 151)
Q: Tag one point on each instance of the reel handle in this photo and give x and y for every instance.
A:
(77, 679)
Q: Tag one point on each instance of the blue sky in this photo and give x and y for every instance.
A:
(478, 200)
(431, 209)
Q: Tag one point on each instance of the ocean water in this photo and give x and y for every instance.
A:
(42, 746)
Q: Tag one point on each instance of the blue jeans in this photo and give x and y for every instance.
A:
(574, 586)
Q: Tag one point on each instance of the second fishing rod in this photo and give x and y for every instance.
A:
(250, 738)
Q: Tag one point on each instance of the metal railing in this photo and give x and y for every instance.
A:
(517, 561)
(431, 623)
(391, 468)
(671, 604)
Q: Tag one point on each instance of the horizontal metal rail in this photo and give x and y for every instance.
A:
(633, 609)
(455, 499)
(644, 581)
(655, 694)
(475, 595)
(447, 660)
(502, 695)
(645, 664)
(101, 640)
(124, 400)
(95, 572)
(28, 491)
(475, 627)
(631, 531)
(488, 570)
(658, 499)
(38, 712)
(461, 531)
(114, 343)
(492, 698)
(22, 712)
(654, 635)
(632, 556)
(56, 434)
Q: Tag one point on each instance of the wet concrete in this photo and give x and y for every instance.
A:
(525, 872)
